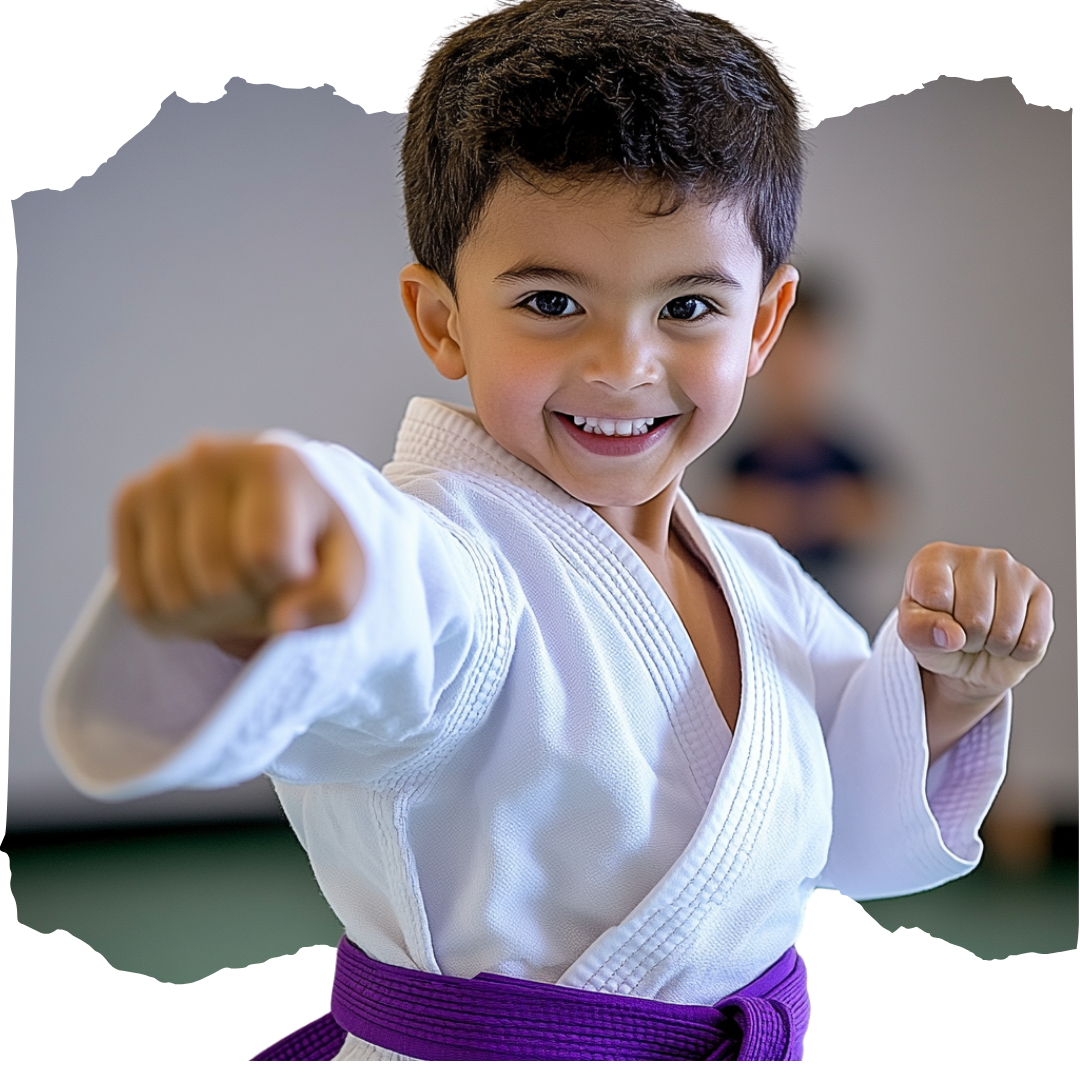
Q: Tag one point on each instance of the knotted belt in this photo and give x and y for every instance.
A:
(499, 1018)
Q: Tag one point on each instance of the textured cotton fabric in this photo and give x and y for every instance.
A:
(509, 758)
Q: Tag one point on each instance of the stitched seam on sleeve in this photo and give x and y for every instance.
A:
(413, 776)
(898, 704)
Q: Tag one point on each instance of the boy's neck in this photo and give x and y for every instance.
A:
(646, 528)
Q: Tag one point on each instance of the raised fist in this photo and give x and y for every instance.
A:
(975, 614)
(234, 541)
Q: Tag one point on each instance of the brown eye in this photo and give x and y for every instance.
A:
(552, 304)
(686, 308)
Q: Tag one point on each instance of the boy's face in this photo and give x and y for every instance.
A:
(580, 306)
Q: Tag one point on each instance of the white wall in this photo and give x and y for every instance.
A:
(233, 267)
(947, 214)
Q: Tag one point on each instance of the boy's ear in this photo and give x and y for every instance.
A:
(433, 310)
(776, 302)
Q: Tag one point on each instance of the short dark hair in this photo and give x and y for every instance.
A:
(579, 89)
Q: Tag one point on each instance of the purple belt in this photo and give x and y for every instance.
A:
(498, 1018)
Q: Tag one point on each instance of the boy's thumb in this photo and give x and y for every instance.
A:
(925, 631)
(331, 594)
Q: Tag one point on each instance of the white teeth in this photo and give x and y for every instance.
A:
(594, 425)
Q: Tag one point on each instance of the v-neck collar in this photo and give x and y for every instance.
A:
(441, 435)
(450, 437)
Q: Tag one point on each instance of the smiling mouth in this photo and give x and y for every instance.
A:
(615, 427)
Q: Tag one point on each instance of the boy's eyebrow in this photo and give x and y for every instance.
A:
(532, 271)
(698, 279)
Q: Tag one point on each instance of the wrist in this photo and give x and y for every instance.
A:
(955, 692)
(953, 708)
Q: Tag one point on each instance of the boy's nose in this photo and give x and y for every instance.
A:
(623, 362)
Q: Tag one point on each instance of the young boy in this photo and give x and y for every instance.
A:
(568, 759)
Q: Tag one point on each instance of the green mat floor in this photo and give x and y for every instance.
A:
(179, 904)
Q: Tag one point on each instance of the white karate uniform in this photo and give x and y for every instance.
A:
(509, 758)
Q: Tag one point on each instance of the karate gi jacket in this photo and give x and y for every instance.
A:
(509, 759)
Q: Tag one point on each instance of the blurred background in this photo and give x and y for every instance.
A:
(234, 267)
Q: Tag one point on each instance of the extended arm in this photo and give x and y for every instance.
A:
(129, 712)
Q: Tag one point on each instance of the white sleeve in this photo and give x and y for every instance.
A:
(898, 827)
(128, 714)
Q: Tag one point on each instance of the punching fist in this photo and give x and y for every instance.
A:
(977, 622)
(234, 541)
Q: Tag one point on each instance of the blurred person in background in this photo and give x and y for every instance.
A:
(799, 474)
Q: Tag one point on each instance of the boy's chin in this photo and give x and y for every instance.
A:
(594, 491)
(601, 497)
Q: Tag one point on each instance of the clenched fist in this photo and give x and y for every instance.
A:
(234, 541)
(976, 621)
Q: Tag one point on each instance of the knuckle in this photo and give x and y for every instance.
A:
(1002, 640)
(934, 596)
(202, 464)
(976, 624)
(1001, 560)
(204, 446)
(162, 474)
(935, 549)
(265, 554)
(1027, 649)
(277, 463)
(213, 448)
